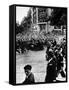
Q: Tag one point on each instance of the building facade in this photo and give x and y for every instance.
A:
(40, 19)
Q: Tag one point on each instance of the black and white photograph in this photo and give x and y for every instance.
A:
(41, 44)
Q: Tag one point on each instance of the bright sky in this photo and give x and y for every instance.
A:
(20, 13)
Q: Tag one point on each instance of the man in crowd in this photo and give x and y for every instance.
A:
(51, 67)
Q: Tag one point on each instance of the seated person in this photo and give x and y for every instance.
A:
(29, 75)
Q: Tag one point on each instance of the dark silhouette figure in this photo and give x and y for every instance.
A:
(29, 75)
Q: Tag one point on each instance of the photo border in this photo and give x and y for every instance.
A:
(21, 5)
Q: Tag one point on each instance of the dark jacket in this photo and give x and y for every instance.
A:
(29, 79)
(51, 71)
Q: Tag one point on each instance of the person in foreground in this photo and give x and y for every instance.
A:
(29, 75)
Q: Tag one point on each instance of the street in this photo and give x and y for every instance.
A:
(38, 62)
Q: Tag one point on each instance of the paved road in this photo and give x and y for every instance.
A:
(38, 62)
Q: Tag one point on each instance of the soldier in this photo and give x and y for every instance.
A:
(51, 67)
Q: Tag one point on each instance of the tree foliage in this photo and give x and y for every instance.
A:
(59, 16)
(25, 24)
(19, 28)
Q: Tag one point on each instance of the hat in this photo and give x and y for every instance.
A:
(27, 67)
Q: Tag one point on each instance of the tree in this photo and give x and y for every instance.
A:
(59, 16)
(19, 28)
(26, 22)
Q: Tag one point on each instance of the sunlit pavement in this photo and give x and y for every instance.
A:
(38, 62)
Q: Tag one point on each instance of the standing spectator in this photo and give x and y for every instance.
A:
(51, 68)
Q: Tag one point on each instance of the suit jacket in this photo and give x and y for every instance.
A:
(30, 79)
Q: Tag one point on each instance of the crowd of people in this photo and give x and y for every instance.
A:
(32, 41)
(56, 57)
